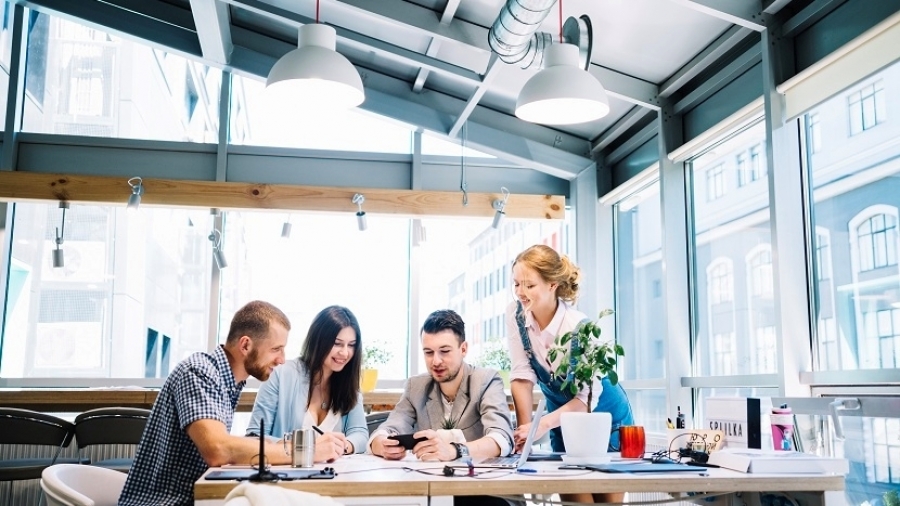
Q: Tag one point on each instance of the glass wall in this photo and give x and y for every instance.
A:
(733, 297)
(5, 53)
(83, 81)
(854, 161)
(259, 120)
(639, 299)
(129, 300)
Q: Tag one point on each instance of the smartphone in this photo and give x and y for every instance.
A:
(407, 440)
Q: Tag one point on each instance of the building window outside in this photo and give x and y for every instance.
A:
(885, 467)
(823, 254)
(883, 331)
(814, 132)
(877, 242)
(867, 107)
(750, 165)
(724, 358)
(826, 336)
(764, 358)
(715, 182)
(721, 282)
(761, 277)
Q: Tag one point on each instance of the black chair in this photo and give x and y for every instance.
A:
(374, 420)
(110, 426)
(26, 427)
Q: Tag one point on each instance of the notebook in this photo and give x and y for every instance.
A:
(516, 461)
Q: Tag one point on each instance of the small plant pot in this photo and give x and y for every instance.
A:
(586, 435)
(369, 380)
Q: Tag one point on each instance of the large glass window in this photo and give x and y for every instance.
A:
(6, 19)
(732, 260)
(257, 119)
(130, 299)
(854, 210)
(83, 81)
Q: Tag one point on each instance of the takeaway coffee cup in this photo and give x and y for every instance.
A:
(302, 447)
(632, 441)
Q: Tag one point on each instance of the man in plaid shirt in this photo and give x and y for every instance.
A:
(189, 427)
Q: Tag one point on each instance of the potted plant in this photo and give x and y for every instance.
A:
(495, 355)
(584, 359)
(374, 355)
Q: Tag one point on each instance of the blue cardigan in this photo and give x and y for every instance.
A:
(282, 401)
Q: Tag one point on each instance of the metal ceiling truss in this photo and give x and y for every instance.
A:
(703, 60)
(631, 118)
(747, 15)
(213, 21)
(533, 146)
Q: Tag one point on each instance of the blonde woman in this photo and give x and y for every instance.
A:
(546, 287)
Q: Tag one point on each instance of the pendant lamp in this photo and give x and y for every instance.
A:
(315, 75)
(562, 93)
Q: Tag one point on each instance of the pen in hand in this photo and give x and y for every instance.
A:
(318, 430)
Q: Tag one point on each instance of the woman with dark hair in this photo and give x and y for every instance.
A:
(319, 388)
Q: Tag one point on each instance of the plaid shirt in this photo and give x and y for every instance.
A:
(167, 462)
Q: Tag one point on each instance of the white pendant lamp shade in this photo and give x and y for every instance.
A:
(562, 93)
(315, 76)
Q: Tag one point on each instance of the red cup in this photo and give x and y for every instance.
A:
(632, 441)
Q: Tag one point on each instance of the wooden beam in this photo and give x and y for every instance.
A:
(30, 186)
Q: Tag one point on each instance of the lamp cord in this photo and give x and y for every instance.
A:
(560, 22)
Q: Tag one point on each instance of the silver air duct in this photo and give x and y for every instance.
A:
(515, 39)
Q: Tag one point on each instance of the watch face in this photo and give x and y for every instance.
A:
(463, 450)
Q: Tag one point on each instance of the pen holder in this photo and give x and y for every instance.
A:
(701, 440)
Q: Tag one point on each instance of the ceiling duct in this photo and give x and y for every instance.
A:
(515, 39)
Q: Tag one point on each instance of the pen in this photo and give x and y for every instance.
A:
(669, 423)
(318, 430)
(526, 470)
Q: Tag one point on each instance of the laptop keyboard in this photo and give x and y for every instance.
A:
(500, 461)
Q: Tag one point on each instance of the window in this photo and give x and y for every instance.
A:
(638, 243)
(264, 122)
(854, 208)
(751, 165)
(131, 299)
(877, 242)
(882, 434)
(760, 265)
(715, 183)
(83, 81)
(764, 358)
(814, 133)
(732, 261)
(721, 282)
(867, 107)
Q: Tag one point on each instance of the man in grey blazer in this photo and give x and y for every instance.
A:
(468, 398)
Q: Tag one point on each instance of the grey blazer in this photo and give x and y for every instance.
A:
(480, 406)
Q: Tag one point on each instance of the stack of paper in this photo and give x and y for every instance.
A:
(748, 460)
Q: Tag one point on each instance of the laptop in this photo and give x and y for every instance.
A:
(516, 461)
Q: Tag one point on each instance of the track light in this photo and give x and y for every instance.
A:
(137, 190)
(216, 238)
(58, 258)
(500, 206)
(358, 199)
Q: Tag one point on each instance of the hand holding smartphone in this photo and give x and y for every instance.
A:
(407, 440)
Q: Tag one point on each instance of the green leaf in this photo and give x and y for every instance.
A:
(605, 312)
(595, 331)
(573, 389)
(619, 350)
(613, 377)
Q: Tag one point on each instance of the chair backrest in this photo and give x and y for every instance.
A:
(110, 426)
(27, 427)
(79, 485)
(374, 420)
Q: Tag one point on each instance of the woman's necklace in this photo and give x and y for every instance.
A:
(324, 404)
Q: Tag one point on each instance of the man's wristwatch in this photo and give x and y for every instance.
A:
(462, 450)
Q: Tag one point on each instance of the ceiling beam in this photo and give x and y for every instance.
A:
(746, 14)
(363, 41)
(618, 128)
(703, 60)
(410, 15)
(449, 11)
(633, 142)
(435, 45)
(213, 22)
(492, 72)
(736, 67)
(130, 24)
(808, 16)
(527, 144)
(79, 188)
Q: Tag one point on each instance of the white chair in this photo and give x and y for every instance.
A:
(80, 485)
(261, 494)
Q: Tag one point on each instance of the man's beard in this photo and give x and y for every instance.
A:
(451, 375)
(254, 368)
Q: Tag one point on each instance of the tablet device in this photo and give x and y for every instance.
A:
(407, 440)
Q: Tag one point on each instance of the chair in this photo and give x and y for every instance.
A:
(79, 485)
(374, 420)
(110, 426)
(26, 427)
